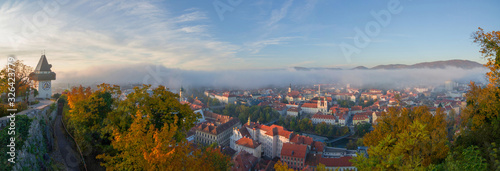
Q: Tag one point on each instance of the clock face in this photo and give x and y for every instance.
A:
(46, 85)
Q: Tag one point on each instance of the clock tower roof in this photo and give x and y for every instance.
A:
(42, 71)
(43, 64)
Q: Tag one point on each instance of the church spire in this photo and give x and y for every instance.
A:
(248, 120)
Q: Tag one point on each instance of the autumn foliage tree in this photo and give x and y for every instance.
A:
(155, 139)
(21, 81)
(161, 106)
(490, 49)
(480, 124)
(146, 131)
(405, 138)
(281, 166)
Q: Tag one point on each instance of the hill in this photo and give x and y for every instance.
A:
(464, 64)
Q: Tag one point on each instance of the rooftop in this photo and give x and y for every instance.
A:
(247, 142)
(294, 150)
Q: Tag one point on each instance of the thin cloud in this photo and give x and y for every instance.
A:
(122, 32)
(256, 46)
(192, 16)
(278, 14)
(300, 13)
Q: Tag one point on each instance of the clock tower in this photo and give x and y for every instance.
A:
(42, 77)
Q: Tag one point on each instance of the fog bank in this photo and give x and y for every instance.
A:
(174, 78)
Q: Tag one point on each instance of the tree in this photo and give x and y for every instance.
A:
(490, 48)
(362, 129)
(281, 166)
(407, 151)
(480, 123)
(154, 141)
(406, 138)
(215, 159)
(466, 159)
(321, 167)
(343, 131)
(86, 115)
(144, 147)
(321, 128)
(21, 81)
(161, 107)
(56, 96)
(304, 124)
(359, 142)
(351, 145)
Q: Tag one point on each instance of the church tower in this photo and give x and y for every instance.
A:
(290, 88)
(42, 77)
(180, 94)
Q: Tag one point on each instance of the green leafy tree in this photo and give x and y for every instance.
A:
(466, 159)
(406, 139)
(407, 151)
(161, 106)
(362, 129)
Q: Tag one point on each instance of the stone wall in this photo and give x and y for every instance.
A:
(34, 153)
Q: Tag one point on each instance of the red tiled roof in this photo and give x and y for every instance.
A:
(247, 142)
(294, 150)
(310, 105)
(244, 161)
(344, 109)
(356, 108)
(299, 139)
(318, 146)
(244, 132)
(359, 117)
(312, 159)
(293, 109)
(264, 104)
(293, 94)
(225, 122)
(336, 162)
(276, 130)
(320, 116)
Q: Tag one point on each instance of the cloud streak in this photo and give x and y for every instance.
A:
(119, 32)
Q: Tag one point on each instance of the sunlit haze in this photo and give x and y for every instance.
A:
(193, 35)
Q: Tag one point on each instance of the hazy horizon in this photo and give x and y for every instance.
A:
(216, 35)
(174, 78)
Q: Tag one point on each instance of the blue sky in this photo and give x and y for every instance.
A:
(257, 34)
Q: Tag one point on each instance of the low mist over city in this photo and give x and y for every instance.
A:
(280, 85)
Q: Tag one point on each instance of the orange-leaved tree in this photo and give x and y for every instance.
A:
(480, 124)
(490, 48)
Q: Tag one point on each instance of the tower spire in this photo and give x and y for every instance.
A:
(180, 94)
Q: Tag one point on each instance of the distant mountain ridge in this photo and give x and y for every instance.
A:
(457, 63)
(464, 64)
